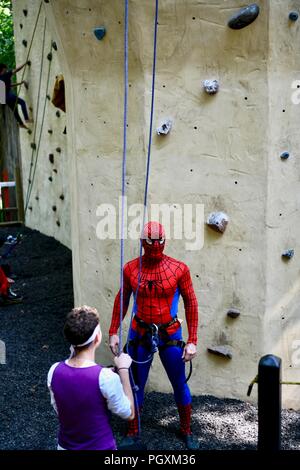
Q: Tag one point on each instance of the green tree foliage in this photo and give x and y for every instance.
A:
(7, 51)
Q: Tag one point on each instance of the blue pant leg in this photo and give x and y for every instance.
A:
(22, 103)
(140, 372)
(175, 369)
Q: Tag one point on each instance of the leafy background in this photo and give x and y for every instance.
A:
(7, 53)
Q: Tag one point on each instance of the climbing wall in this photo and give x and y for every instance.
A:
(227, 121)
(44, 147)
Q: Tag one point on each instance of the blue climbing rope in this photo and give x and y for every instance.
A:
(147, 173)
(124, 162)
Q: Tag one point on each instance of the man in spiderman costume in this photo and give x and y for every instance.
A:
(156, 296)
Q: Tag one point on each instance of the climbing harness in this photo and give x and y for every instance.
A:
(12, 243)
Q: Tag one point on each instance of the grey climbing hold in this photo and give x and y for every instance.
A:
(244, 17)
(288, 254)
(293, 16)
(49, 56)
(218, 221)
(223, 351)
(233, 313)
(211, 86)
(100, 32)
(54, 45)
(164, 128)
(51, 158)
(284, 155)
(58, 149)
(33, 145)
(24, 42)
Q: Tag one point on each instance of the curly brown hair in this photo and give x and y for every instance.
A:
(80, 324)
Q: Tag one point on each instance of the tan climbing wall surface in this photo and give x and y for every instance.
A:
(223, 151)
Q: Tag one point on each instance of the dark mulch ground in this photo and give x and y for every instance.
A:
(32, 332)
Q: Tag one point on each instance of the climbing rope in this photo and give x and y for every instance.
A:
(29, 50)
(37, 113)
(255, 381)
(41, 131)
(147, 175)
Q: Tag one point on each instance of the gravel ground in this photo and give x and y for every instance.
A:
(32, 332)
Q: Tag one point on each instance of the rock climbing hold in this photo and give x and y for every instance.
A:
(57, 114)
(293, 16)
(244, 17)
(58, 149)
(54, 45)
(54, 208)
(211, 86)
(46, 1)
(29, 63)
(49, 56)
(24, 42)
(50, 131)
(30, 208)
(58, 223)
(62, 197)
(218, 221)
(21, 26)
(25, 12)
(100, 32)
(48, 97)
(51, 158)
(288, 254)
(36, 198)
(284, 155)
(33, 145)
(164, 128)
(223, 351)
(29, 131)
(55, 170)
(50, 178)
(233, 313)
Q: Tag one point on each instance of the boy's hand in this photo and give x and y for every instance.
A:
(189, 352)
(123, 361)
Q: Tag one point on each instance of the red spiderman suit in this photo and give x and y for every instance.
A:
(156, 295)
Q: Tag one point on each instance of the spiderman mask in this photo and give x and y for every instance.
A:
(153, 240)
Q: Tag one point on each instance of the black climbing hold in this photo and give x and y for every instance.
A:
(100, 32)
(50, 131)
(244, 17)
(29, 131)
(29, 181)
(293, 16)
(21, 26)
(57, 113)
(58, 149)
(62, 197)
(33, 145)
(233, 313)
(58, 223)
(54, 208)
(25, 12)
(65, 130)
(49, 56)
(36, 198)
(288, 254)
(24, 42)
(222, 351)
(48, 97)
(30, 208)
(50, 178)
(284, 155)
(51, 158)
(54, 45)
(29, 63)
(46, 1)
(55, 170)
